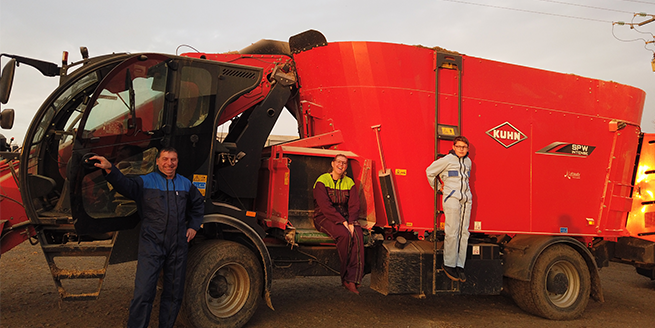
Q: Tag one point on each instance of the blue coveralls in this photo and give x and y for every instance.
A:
(165, 206)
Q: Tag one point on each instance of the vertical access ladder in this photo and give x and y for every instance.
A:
(443, 61)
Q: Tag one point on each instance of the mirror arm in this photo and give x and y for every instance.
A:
(46, 68)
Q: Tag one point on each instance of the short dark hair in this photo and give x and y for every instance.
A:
(462, 139)
(168, 150)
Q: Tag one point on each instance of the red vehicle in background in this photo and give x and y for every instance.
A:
(561, 178)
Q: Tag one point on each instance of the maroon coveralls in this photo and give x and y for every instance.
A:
(332, 206)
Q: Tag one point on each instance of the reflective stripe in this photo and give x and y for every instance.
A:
(345, 183)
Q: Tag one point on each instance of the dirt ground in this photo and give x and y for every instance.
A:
(28, 298)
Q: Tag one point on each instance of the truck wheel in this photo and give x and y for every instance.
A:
(223, 285)
(559, 288)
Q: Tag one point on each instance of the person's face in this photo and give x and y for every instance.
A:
(460, 148)
(167, 163)
(339, 165)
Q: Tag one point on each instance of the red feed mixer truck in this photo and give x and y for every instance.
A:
(561, 178)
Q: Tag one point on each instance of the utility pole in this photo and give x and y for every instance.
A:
(632, 26)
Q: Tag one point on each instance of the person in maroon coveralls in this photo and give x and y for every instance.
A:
(336, 210)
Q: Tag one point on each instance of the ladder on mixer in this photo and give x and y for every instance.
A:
(443, 61)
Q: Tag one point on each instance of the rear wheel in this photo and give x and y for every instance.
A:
(559, 288)
(223, 285)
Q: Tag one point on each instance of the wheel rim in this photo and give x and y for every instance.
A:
(563, 272)
(227, 291)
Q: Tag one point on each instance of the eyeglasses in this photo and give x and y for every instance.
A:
(462, 147)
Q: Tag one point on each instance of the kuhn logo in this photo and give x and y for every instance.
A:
(507, 135)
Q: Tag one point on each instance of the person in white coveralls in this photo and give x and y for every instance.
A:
(454, 171)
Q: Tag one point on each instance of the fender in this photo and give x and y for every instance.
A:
(237, 219)
(522, 251)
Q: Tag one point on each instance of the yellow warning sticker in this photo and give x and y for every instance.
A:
(447, 131)
(402, 172)
(200, 181)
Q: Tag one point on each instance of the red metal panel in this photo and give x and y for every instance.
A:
(362, 84)
(13, 220)
(367, 212)
(519, 120)
(274, 192)
(322, 140)
(500, 177)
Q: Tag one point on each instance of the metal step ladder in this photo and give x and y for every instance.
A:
(443, 61)
(70, 249)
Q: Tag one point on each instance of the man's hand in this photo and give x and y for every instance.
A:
(190, 233)
(103, 164)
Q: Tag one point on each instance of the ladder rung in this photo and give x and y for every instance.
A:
(78, 274)
(77, 250)
(80, 297)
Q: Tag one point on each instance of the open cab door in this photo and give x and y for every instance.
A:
(124, 121)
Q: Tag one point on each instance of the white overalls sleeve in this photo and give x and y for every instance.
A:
(435, 169)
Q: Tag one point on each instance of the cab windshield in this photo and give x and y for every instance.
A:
(133, 96)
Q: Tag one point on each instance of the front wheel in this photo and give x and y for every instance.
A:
(559, 288)
(223, 285)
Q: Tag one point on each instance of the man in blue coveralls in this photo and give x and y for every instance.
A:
(172, 209)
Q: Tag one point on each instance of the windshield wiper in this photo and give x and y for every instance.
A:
(132, 105)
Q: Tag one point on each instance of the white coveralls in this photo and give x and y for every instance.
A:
(454, 172)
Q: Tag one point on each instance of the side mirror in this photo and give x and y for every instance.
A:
(7, 119)
(6, 80)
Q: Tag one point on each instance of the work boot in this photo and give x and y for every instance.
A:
(450, 272)
(460, 273)
(350, 286)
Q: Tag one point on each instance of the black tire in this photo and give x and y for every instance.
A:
(223, 285)
(559, 288)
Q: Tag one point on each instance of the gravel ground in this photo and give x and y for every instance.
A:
(28, 298)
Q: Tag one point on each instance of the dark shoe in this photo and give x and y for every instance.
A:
(451, 273)
(350, 286)
(462, 276)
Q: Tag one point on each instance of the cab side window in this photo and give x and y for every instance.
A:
(193, 101)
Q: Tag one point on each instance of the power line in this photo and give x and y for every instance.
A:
(529, 11)
(587, 6)
(637, 1)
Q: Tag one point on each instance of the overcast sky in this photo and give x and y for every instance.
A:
(573, 36)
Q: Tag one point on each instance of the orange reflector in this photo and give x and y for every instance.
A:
(251, 214)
